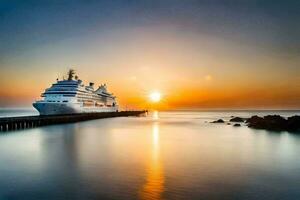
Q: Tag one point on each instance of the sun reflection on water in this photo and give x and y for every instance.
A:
(154, 185)
(155, 115)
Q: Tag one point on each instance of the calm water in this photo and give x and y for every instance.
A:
(15, 112)
(166, 155)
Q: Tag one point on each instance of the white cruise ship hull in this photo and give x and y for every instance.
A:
(47, 108)
(72, 97)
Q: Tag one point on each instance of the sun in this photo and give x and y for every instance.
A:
(155, 97)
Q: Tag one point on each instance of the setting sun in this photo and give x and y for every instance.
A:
(155, 97)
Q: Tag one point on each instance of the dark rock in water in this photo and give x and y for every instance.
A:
(293, 123)
(237, 119)
(254, 119)
(275, 123)
(270, 122)
(218, 121)
(236, 125)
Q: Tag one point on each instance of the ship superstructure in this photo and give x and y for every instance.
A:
(69, 96)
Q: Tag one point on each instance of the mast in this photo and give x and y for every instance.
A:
(71, 73)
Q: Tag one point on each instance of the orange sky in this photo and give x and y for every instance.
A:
(191, 70)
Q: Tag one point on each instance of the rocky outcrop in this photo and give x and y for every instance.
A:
(236, 125)
(293, 123)
(237, 119)
(218, 121)
(275, 123)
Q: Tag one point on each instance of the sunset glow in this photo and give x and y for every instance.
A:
(155, 97)
(149, 99)
(233, 63)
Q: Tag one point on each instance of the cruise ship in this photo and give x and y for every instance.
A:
(70, 96)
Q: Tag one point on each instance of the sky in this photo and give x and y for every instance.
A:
(199, 54)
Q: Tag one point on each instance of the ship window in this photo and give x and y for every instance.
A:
(65, 101)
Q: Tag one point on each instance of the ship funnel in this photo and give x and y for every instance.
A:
(91, 84)
(71, 74)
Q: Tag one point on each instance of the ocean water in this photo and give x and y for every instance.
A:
(164, 155)
(15, 112)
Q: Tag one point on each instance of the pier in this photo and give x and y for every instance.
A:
(18, 123)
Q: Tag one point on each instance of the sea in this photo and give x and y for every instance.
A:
(161, 155)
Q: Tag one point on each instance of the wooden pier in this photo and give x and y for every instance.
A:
(18, 123)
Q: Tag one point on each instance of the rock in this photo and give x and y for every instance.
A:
(228, 123)
(270, 122)
(236, 125)
(218, 121)
(275, 123)
(237, 119)
(293, 123)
